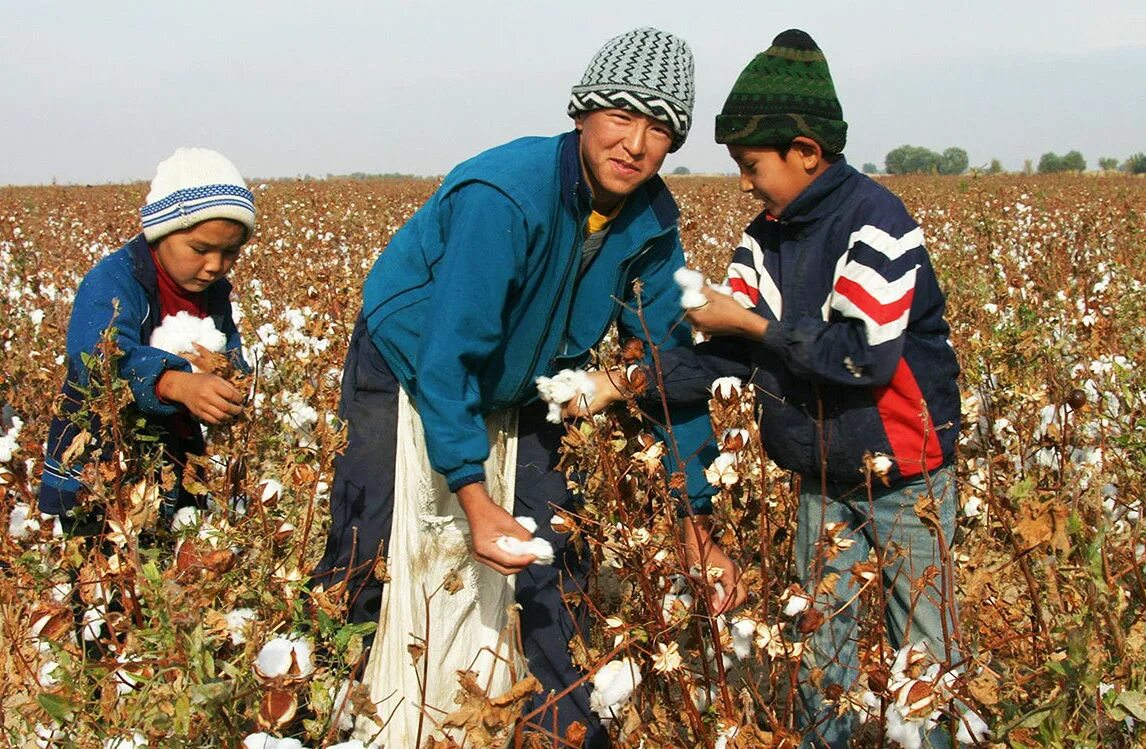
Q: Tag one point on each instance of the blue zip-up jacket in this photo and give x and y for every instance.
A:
(126, 277)
(478, 294)
(856, 357)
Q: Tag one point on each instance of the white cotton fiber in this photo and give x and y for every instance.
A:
(613, 685)
(538, 547)
(691, 283)
(562, 388)
(178, 333)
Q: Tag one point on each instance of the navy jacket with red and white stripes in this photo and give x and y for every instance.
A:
(856, 358)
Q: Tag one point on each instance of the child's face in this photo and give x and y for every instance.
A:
(620, 151)
(773, 179)
(197, 257)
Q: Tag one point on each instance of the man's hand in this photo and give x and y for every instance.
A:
(723, 315)
(606, 394)
(488, 522)
(209, 398)
(702, 551)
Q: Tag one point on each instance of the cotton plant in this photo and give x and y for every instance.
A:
(10, 440)
(919, 693)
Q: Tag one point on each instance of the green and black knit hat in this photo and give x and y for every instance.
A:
(784, 92)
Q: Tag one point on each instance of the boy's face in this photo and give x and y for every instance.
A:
(620, 151)
(197, 257)
(773, 179)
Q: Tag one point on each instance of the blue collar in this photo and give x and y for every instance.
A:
(822, 196)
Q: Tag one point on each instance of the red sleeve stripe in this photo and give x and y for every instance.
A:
(740, 286)
(907, 423)
(880, 313)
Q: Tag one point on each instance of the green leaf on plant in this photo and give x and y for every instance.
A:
(1133, 703)
(342, 639)
(56, 706)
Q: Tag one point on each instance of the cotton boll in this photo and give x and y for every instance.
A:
(179, 333)
(342, 710)
(21, 524)
(48, 735)
(562, 388)
(185, 517)
(690, 299)
(136, 741)
(538, 547)
(236, 624)
(276, 657)
(726, 388)
(972, 729)
(743, 633)
(907, 733)
(266, 741)
(527, 523)
(613, 685)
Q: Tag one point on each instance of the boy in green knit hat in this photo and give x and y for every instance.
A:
(836, 316)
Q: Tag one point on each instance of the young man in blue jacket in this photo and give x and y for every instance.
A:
(515, 268)
(836, 317)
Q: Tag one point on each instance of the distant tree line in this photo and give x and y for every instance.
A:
(919, 160)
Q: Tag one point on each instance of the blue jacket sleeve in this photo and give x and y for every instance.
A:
(485, 246)
(107, 299)
(660, 313)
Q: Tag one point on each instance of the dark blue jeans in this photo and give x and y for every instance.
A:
(362, 512)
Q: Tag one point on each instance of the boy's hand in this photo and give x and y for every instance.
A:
(701, 550)
(209, 398)
(606, 394)
(723, 315)
(488, 522)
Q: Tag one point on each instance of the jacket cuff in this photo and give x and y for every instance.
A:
(464, 476)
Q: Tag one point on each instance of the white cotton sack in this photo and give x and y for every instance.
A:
(179, 333)
(562, 388)
(538, 547)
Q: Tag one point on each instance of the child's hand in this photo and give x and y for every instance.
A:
(723, 315)
(209, 398)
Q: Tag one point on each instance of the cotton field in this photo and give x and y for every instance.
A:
(199, 632)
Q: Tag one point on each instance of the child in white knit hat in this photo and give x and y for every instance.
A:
(167, 300)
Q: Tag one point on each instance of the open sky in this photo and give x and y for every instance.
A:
(101, 92)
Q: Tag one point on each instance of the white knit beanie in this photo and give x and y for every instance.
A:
(194, 185)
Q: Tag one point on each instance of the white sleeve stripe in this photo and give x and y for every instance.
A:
(875, 333)
(884, 243)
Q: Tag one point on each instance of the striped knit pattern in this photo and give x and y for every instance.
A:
(647, 71)
(784, 92)
(185, 208)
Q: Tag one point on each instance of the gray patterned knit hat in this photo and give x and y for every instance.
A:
(645, 71)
